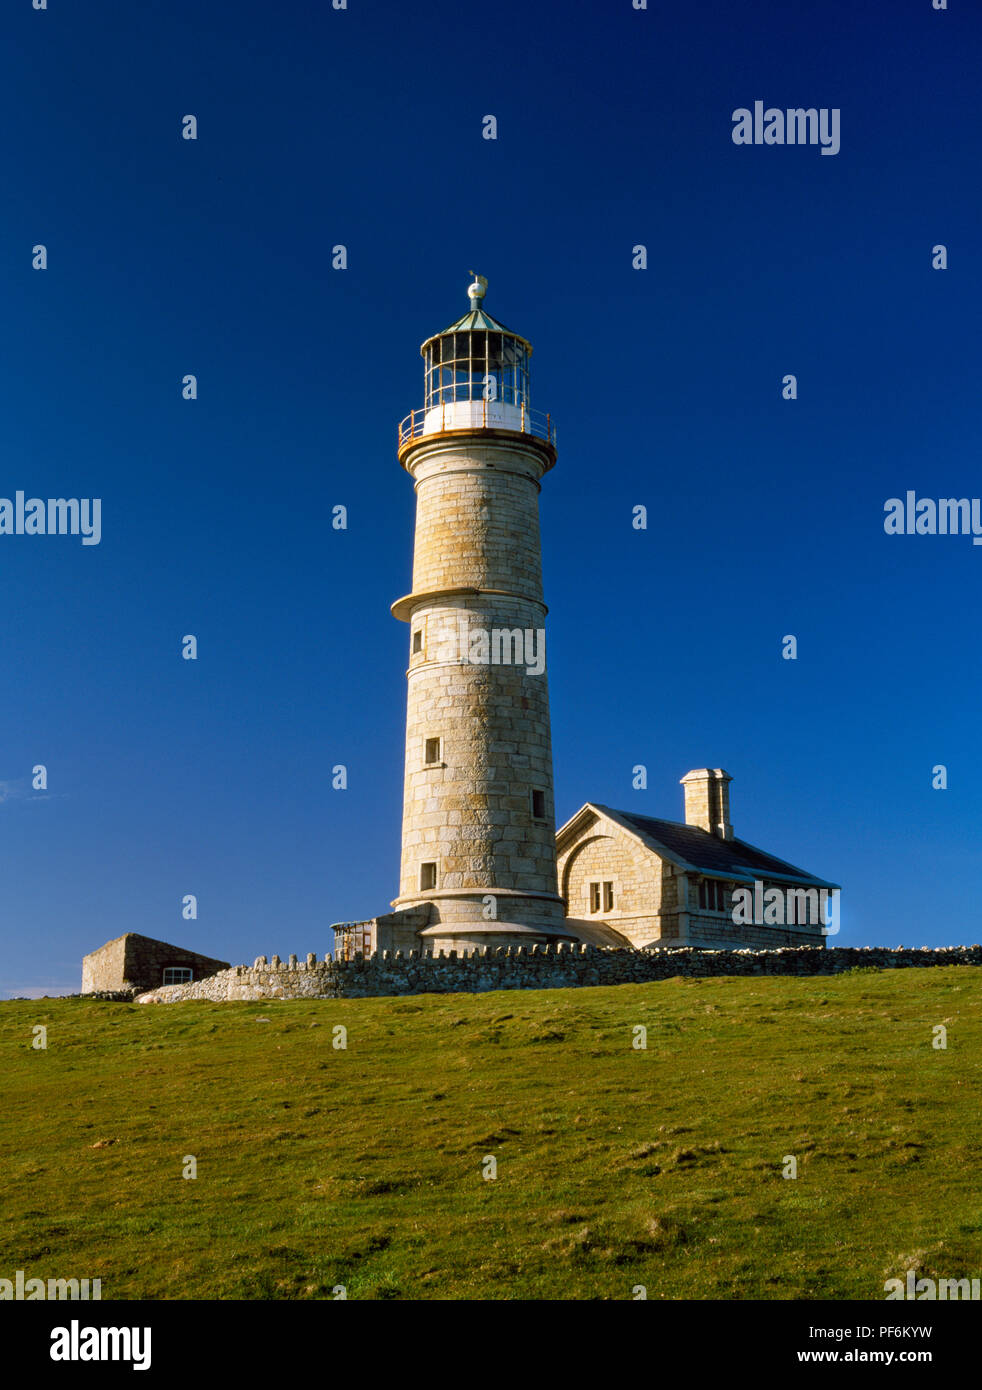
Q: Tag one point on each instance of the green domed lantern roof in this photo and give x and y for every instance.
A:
(477, 318)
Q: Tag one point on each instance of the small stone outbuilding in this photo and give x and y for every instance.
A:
(142, 963)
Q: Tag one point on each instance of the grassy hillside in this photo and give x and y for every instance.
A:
(616, 1167)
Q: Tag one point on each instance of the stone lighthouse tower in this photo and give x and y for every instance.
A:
(478, 828)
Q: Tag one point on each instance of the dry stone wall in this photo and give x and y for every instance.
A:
(536, 967)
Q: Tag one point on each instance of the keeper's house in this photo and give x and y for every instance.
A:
(659, 882)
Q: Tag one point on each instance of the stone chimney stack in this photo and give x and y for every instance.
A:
(707, 800)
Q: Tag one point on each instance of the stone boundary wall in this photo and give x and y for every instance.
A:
(535, 967)
(106, 996)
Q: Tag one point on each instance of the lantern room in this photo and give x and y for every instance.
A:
(476, 375)
(476, 359)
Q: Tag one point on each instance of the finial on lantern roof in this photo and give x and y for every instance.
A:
(477, 290)
(477, 319)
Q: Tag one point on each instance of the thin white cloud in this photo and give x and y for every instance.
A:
(22, 790)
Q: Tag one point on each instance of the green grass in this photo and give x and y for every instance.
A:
(616, 1167)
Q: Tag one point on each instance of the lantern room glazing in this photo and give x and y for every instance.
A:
(476, 363)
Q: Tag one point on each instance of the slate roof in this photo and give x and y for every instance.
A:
(697, 849)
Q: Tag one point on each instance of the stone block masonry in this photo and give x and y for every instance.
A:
(137, 961)
(537, 967)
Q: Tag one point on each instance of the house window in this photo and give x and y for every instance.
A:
(418, 640)
(608, 897)
(427, 876)
(538, 805)
(432, 751)
(177, 974)
(712, 895)
(594, 897)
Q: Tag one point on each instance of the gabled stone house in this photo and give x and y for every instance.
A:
(658, 882)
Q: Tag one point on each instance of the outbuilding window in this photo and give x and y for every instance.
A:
(177, 974)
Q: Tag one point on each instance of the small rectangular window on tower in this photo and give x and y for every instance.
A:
(432, 751)
(418, 640)
(538, 804)
(594, 897)
(427, 876)
(608, 897)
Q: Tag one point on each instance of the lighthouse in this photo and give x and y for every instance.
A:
(478, 827)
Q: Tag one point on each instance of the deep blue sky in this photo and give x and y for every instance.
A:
(363, 127)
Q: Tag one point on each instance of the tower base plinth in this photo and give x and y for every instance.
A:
(476, 919)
